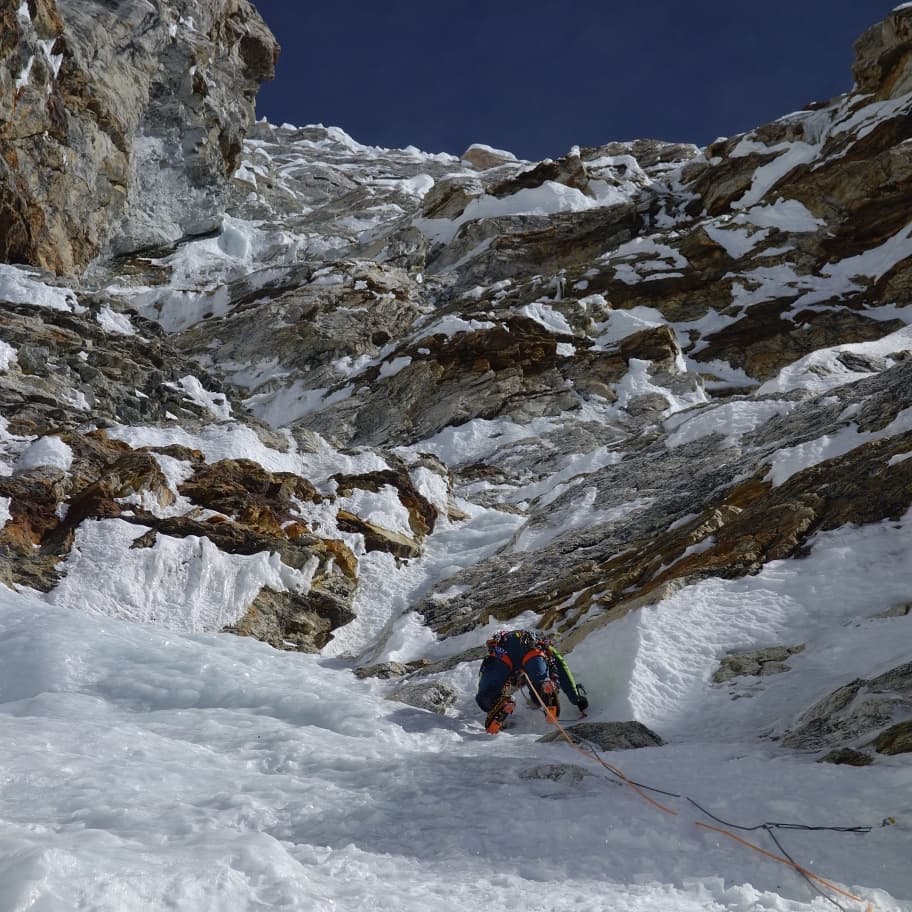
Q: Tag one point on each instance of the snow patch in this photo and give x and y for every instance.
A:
(7, 356)
(785, 214)
(20, 286)
(736, 242)
(288, 404)
(623, 323)
(547, 316)
(185, 584)
(790, 460)
(45, 452)
(732, 421)
(391, 368)
(790, 156)
(381, 508)
(113, 322)
(215, 403)
(451, 325)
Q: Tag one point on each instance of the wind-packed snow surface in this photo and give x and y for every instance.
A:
(146, 769)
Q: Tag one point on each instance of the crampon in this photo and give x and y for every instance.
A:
(498, 714)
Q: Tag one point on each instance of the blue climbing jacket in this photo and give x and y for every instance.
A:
(515, 651)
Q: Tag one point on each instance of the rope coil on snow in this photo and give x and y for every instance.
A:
(640, 789)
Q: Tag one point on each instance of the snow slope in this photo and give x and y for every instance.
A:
(151, 763)
(148, 769)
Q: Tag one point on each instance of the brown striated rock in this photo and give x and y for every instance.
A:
(517, 246)
(181, 453)
(337, 553)
(448, 198)
(657, 344)
(135, 475)
(253, 496)
(376, 538)
(763, 341)
(105, 472)
(753, 524)
(35, 499)
(93, 453)
(283, 619)
(482, 158)
(587, 577)
(678, 298)
(569, 171)
(514, 368)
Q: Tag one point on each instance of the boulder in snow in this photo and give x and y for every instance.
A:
(609, 736)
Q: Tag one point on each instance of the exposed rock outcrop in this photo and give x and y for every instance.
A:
(758, 662)
(851, 715)
(435, 696)
(389, 669)
(287, 620)
(609, 736)
(120, 125)
(882, 63)
(845, 756)
(692, 515)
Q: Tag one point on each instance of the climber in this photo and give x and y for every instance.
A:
(510, 654)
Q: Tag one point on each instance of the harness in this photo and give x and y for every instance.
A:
(535, 646)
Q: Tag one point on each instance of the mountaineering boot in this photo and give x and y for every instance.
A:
(551, 700)
(499, 712)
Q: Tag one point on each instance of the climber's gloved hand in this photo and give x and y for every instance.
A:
(582, 701)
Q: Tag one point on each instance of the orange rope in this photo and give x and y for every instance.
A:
(607, 766)
(772, 855)
(781, 859)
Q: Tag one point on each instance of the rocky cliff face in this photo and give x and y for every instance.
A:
(121, 123)
(656, 365)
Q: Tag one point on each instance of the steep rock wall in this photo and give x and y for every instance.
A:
(121, 122)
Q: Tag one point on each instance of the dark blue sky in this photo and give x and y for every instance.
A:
(536, 77)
